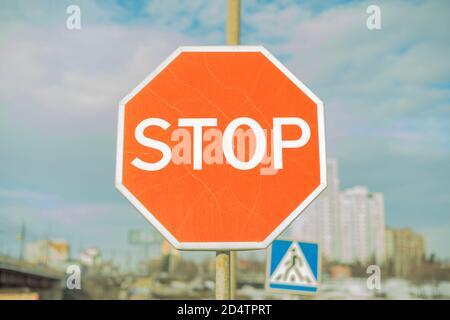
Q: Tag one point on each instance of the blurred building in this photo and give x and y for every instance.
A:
(91, 256)
(340, 272)
(53, 253)
(348, 224)
(320, 222)
(363, 225)
(405, 250)
(170, 257)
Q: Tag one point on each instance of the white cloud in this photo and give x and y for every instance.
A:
(61, 73)
(188, 16)
(335, 45)
(371, 81)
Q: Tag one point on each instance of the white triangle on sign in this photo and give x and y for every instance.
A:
(293, 269)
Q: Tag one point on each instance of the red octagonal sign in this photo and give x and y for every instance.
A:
(221, 148)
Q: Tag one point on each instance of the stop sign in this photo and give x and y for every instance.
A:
(221, 148)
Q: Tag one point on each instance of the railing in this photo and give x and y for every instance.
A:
(12, 264)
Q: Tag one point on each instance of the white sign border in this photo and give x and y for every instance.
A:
(217, 246)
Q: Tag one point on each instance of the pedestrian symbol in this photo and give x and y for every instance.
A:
(293, 266)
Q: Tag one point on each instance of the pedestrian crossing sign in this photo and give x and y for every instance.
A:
(293, 267)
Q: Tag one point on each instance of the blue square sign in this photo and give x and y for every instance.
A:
(293, 267)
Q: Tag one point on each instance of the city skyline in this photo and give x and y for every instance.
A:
(336, 214)
(386, 97)
(349, 224)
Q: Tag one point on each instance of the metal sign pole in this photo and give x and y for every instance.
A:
(226, 260)
(223, 289)
(233, 22)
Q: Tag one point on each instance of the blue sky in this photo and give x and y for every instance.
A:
(386, 94)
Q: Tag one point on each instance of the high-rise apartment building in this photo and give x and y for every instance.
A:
(320, 221)
(363, 223)
(348, 225)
